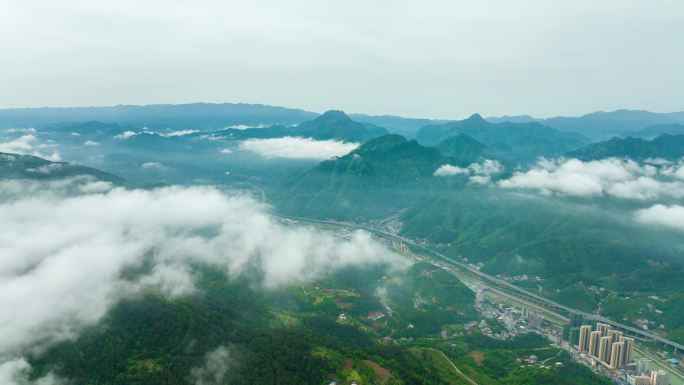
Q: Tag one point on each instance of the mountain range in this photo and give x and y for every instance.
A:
(523, 142)
(330, 125)
(155, 116)
(669, 147)
(378, 178)
(213, 116)
(651, 132)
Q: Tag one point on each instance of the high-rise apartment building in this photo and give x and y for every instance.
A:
(628, 351)
(616, 355)
(603, 328)
(615, 335)
(604, 349)
(594, 341)
(584, 333)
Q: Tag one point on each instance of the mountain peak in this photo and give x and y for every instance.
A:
(475, 118)
(333, 115)
(335, 124)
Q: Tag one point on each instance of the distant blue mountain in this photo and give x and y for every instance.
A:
(175, 116)
(651, 132)
(670, 147)
(397, 124)
(604, 125)
(511, 118)
(332, 124)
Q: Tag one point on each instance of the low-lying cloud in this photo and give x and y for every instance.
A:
(30, 145)
(480, 173)
(297, 148)
(617, 178)
(178, 133)
(152, 165)
(662, 215)
(16, 372)
(450, 170)
(64, 246)
(125, 135)
(215, 369)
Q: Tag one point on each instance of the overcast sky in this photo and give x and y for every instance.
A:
(431, 58)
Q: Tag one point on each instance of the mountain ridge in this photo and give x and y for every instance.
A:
(665, 146)
(523, 142)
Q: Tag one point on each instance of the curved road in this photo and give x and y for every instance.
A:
(519, 291)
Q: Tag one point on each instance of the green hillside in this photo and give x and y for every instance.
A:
(236, 333)
(465, 150)
(378, 178)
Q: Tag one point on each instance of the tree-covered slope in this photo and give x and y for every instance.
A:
(465, 150)
(233, 332)
(376, 179)
(520, 234)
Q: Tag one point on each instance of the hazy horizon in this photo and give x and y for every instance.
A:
(436, 59)
(398, 114)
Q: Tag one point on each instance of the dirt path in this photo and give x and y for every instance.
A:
(456, 369)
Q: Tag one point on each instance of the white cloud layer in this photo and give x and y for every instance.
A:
(449, 170)
(29, 145)
(16, 372)
(297, 148)
(152, 165)
(618, 178)
(65, 244)
(125, 135)
(179, 133)
(662, 215)
(480, 173)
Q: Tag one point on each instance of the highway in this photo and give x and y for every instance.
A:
(502, 286)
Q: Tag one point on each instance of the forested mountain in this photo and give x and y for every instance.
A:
(330, 125)
(465, 150)
(381, 176)
(562, 241)
(233, 332)
(14, 166)
(337, 125)
(522, 142)
(665, 146)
